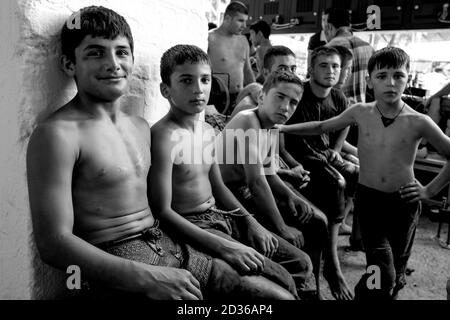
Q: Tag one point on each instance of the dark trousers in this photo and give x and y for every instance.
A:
(388, 225)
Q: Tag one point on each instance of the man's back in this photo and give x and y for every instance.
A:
(355, 86)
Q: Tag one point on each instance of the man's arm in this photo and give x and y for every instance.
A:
(51, 155)
(249, 76)
(243, 258)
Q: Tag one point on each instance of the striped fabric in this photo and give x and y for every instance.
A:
(355, 87)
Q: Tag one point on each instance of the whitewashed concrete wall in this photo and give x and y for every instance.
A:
(32, 85)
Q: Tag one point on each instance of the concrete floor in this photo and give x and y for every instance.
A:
(431, 264)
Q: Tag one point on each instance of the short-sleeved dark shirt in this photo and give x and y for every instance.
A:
(315, 41)
(313, 108)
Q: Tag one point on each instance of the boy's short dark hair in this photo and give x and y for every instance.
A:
(96, 22)
(262, 26)
(345, 53)
(178, 55)
(273, 52)
(339, 17)
(280, 76)
(388, 57)
(235, 7)
(323, 51)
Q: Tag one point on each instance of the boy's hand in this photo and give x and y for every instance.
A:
(262, 239)
(279, 127)
(334, 156)
(244, 259)
(300, 209)
(293, 235)
(300, 172)
(413, 192)
(172, 284)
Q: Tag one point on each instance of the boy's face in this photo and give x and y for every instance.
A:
(254, 37)
(238, 23)
(280, 102)
(282, 63)
(190, 85)
(326, 70)
(388, 84)
(102, 67)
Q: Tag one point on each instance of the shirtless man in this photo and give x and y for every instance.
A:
(229, 51)
(187, 189)
(259, 35)
(388, 196)
(275, 204)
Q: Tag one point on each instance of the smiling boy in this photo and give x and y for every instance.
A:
(388, 196)
(87, 167)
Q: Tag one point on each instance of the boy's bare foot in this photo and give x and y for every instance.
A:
(338, 286)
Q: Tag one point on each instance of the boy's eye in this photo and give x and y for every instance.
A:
(94, 53)
(123, 52)
(186, 80)
(206, 80)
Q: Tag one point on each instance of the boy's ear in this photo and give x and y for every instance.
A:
(310, 70)
(67, 66)
(369, 82)
(260, 98)
(164, 88)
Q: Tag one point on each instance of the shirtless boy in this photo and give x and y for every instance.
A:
(388, 196)
(187, 189)
(275, 204)
(229, 51)
(87, 166)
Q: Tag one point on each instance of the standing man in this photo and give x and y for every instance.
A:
(259, 35)
(336, 24)
(229, 51)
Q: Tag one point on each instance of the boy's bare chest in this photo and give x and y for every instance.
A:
(112, 157)
(396, 137)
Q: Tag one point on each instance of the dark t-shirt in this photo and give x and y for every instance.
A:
(315, 42)
(312, 108)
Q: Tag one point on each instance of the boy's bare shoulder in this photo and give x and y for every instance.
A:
(245, 119)
(63, 121)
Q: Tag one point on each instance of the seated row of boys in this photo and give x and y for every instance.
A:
(90, 179)
(329, 176)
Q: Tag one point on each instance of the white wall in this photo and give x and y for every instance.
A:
(31, 86)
